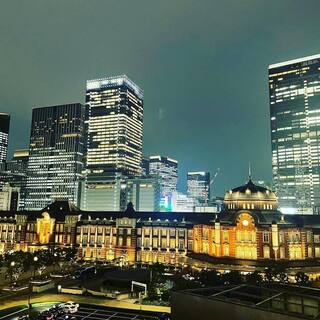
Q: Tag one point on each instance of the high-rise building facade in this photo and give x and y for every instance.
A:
(4, 135)
(56, 155)
(143, 193)
(19, 162)
(145, 165)
(14, 173)
(294, 88)
(114, 122)
(182, 203)
(198, 187)
(166, 171)
(9, 198)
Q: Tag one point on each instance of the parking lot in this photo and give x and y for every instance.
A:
(93, 312)
(104, 313)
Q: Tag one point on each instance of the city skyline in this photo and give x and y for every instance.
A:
(158, 153)
(188, 56)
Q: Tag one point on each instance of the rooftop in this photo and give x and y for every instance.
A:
(115, 81)
(293, 61)
(285, 299)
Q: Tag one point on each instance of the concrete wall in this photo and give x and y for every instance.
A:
(42, 288)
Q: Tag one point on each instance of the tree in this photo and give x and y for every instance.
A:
(302, 279)
(268, 275)
(232, 277)
(70, 254)
(210, 278)
(280, 274)
(156, 278)
(254, 278)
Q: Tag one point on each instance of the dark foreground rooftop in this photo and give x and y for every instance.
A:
(250, 302)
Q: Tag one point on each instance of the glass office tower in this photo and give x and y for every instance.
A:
(56, 155)
(198, 187)
(4, 135)
(143, 193)
(114, 122)
(145, 164)
(166, 171)
(14, 173)
(295, 133)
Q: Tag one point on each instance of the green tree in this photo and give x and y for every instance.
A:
(280, 274)
(302, 279)
(268, 275)
(232, 277)
(210, 278)
(254, 278)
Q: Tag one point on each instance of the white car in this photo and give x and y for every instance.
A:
(69, 307)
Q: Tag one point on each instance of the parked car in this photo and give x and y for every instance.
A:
(70, 307)
(57, 310)
(46, 315)
(66, 317)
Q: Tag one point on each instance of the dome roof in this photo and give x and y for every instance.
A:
(250, 191)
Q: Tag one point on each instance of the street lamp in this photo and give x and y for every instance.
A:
(55, 262)
(35, 260)
(12, 264)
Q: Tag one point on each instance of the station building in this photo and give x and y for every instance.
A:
(249, 227)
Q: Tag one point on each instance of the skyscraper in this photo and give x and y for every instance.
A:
(56, 155)
(294, 88)
(9, 198)
(143, 193)
(4, 135)
(166, 171)
(198, 187)
(114, 121)
(14, 173)
(145, 164)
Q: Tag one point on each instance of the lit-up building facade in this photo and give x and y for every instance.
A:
(166, 171)
(56, 155)
(9, 198)
(114, 124)
(294, 88)
(250, 227)
(198, 187)
(182, 203)
(4, 135)
(19, 162)
(14, 173)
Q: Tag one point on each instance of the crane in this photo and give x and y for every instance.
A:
(214, 176)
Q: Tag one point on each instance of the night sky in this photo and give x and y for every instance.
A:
(202, 64)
